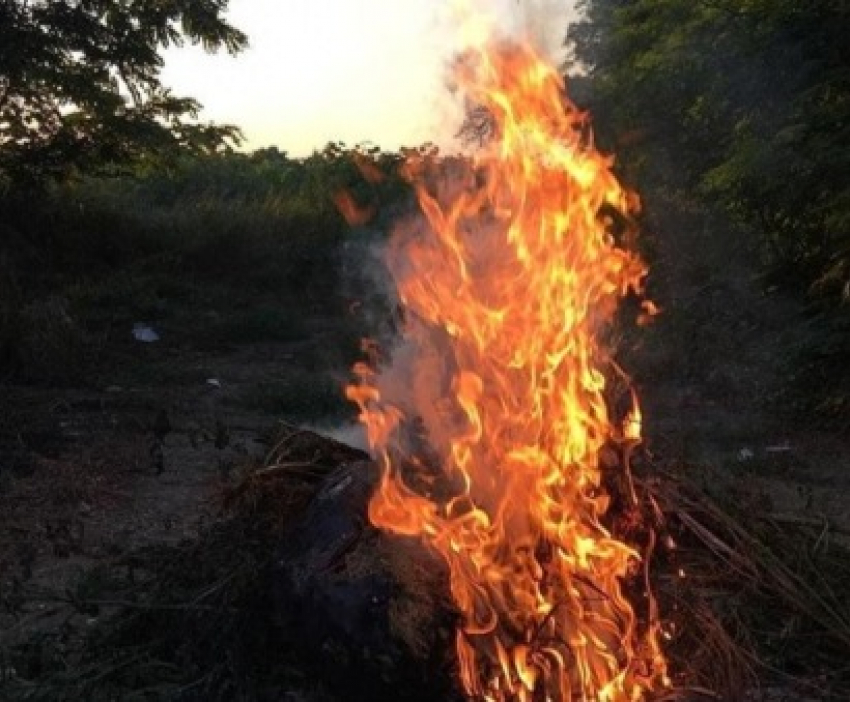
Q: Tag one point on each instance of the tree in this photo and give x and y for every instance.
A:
(750, 99)
(80, 86)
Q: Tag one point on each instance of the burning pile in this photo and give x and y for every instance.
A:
(492, 444)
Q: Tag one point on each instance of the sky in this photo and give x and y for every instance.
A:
(344, 70)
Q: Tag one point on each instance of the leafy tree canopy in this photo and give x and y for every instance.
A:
(749, 101)
(80, 86)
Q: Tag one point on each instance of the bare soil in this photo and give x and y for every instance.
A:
(89, 475)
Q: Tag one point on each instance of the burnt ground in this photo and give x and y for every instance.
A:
(86, 479)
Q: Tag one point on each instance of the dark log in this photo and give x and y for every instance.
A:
(370, 611)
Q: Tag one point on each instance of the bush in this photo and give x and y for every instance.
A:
(210, 239)
(40, 342)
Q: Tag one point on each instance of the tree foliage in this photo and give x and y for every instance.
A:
(750, 99)
(80, 85)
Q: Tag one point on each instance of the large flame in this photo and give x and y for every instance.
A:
(508, 285)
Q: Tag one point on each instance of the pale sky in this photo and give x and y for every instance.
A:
(341, 70)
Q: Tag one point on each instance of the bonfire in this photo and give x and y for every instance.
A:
(492, 423)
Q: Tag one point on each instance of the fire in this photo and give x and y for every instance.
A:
(490, 445)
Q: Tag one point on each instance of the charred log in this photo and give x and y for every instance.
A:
(369, 611)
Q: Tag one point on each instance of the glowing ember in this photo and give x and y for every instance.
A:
(508, 285)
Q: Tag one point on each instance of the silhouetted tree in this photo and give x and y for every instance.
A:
(80, 86)
(750, 99)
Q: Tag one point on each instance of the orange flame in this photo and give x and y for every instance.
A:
(354, 213)
(508, 285)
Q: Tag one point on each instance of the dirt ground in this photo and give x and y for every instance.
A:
(88, 475)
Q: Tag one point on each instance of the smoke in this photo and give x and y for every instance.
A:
(353, 435)
(465, 24)
(543, 23)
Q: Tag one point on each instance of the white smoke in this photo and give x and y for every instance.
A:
(543, 23)
(463, 24)
(350, 434)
